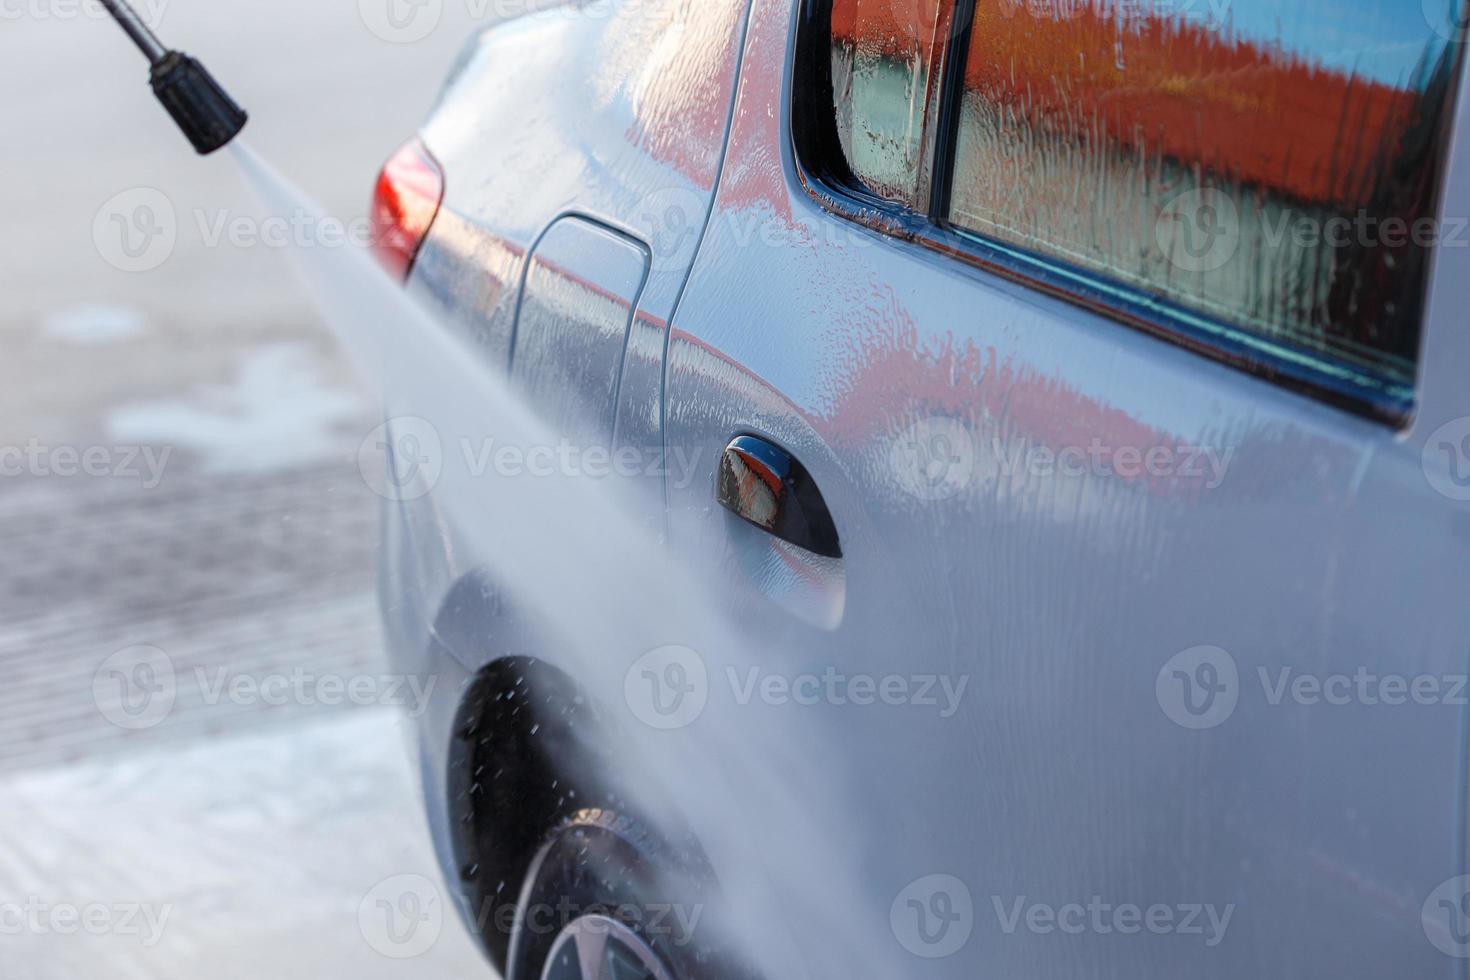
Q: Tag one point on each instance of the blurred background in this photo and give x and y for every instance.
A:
(183, 511)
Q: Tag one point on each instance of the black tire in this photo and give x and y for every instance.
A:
(598, 866)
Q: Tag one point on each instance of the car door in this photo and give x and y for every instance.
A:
(1180, 534)
(582, 286)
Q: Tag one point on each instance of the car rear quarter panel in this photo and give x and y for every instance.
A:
(613, 112)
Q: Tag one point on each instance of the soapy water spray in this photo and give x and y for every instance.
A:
(762, 793)
(761, 790)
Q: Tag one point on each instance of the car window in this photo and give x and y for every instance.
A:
(885, 61)
(1257, 179)
(1271, 164)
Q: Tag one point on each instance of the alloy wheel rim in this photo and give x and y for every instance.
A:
(596, 947)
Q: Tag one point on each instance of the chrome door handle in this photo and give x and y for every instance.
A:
(764, 485)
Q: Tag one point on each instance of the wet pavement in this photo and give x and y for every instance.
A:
(293, 853)
(249, 575)
(188, 543)
(254, 820)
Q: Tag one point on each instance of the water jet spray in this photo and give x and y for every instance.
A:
(200, 106)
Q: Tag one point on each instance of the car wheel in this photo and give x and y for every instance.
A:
(606, 898)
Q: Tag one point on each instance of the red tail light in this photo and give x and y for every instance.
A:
(407, 198)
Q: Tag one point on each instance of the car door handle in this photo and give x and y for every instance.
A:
(762, 483)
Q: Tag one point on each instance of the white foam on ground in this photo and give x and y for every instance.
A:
(94, 323)
(242, 857)
(277, 412)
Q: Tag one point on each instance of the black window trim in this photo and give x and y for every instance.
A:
(822, 169)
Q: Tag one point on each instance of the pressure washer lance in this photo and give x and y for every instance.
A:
(203, 110)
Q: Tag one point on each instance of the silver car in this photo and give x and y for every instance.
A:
(1064, 405)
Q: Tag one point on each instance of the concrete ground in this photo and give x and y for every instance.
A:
(181, 509)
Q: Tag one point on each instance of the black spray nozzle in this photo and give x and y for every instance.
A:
(200, 106)
(203, 110)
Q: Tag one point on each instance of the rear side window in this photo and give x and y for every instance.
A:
(1260, 177)
(886, 56)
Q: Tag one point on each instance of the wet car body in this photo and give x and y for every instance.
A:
(635, 164)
